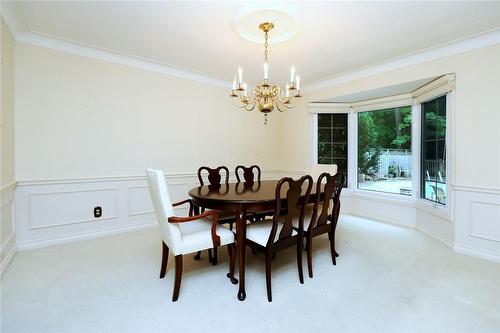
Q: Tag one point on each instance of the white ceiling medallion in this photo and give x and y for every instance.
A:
(286, 25)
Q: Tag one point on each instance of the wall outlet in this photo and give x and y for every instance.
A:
(97, 211)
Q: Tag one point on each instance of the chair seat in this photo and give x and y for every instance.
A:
(197, 236)
(259, 232)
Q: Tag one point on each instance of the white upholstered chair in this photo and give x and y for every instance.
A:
(183, 235)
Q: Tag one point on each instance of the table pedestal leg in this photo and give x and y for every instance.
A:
(241, 226)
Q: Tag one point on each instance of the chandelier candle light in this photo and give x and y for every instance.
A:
(265, 95)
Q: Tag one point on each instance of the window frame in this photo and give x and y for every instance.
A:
(316, 129)
(357, 144)
(444, 85)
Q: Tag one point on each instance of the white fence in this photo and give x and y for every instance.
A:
(396, 162)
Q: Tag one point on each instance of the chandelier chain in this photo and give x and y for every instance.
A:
(265, 48)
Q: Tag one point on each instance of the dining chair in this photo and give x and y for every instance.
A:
(183, 235)
(324, 216)
(315, 172)
(214, 177)
(276, 234)
(318, 169)
(249, 175)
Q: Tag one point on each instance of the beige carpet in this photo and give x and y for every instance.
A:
(387, 279)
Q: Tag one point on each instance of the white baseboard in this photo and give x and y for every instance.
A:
(37, 244)
(478, 254)
(7, 259)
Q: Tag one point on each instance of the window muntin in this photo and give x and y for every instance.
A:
(384, 150)
(433, 150)
(332, 140)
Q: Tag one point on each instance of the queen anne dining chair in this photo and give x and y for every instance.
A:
(316, 171)
(214, 177)
(249, 175)
(183, 235)
(271, 236)
(324, 216)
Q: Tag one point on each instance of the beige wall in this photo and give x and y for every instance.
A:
(79, 117)
(7, 175)
(7, 117)
(476, 118)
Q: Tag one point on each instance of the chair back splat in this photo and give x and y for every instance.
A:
(320, 216)
(214, 175)
(294, 203)
(339, 185)
(248, 173)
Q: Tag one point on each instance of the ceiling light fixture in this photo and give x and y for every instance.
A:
(265, 95)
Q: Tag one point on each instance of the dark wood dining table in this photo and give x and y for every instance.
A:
(240, 198)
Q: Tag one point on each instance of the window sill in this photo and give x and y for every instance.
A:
(381, 196)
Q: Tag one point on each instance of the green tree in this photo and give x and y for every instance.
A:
(368, 146)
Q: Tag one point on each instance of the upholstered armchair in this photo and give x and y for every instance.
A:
(183, 235)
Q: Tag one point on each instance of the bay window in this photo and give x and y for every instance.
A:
(397, 144)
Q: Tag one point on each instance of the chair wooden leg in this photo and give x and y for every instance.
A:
(309, 258)
(299, 258)
(332, 247)
(231, 249)
(164, 260)
(197, 256)
(268, 276)
(333, 236)
(178, 277)
(212, 259)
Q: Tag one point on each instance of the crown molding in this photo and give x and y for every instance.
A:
(485, 39)
(67, 46)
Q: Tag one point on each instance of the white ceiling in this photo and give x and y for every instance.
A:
(334, 38)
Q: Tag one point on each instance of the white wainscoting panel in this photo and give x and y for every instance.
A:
(477, 219)
(7, 227)
(52, 212)
(378, 207)
(52, 209)
(435, 226)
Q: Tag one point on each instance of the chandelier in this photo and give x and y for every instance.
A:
(266, 96)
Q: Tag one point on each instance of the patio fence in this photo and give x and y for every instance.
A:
(399, 158)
